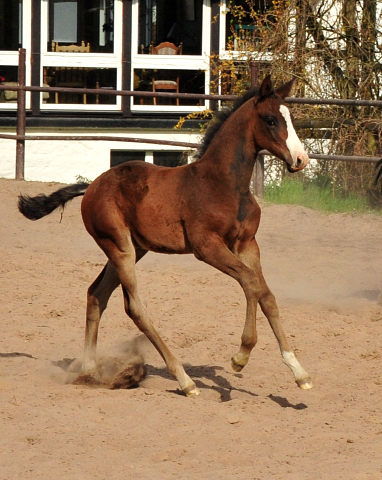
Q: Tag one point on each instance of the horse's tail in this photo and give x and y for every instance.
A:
(378, 169)
(40, 206)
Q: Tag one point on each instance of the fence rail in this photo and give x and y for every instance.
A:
(21, 136)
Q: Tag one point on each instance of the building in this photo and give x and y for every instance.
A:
(108, 44)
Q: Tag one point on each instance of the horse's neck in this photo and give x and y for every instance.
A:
(232, 153)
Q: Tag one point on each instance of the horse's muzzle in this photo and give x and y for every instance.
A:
(298, 164)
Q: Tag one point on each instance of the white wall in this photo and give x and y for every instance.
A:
(62, 161)
(7, 158)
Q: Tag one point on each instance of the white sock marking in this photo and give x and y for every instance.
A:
(291, 361)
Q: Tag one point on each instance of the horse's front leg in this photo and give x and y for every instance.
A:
(239, 267)
(249, 254)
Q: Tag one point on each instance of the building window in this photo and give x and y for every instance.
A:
(170, 48)
(169, 81)
(175, 21)
(117, 157)
(241, 34)
(81, 23)
(15, 32)
(170, 158)
(8, 75)
(163, 158)
(81, 45)
(81, 77)
(10, 25)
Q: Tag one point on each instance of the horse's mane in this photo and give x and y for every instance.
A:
(220, 117)
(378, 170)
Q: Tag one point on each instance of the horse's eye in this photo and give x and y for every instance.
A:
(271, 121)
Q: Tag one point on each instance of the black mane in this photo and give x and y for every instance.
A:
(378, 170)
(220, 117)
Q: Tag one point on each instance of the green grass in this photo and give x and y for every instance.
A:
(295, 192)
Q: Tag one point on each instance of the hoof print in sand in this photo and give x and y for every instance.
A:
(87, 379)
(114, 374)
(130, 377)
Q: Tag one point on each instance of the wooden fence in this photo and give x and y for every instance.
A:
(21, 136)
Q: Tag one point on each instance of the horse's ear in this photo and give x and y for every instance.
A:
(266, 88)
(285, 89)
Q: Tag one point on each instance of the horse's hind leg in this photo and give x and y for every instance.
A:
(138, 313)
(98, 295)
(124, 262)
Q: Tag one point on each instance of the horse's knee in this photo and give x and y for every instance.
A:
(253, 287)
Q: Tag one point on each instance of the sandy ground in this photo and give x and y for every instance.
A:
(325, 271)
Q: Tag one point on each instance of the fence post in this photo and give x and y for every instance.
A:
(258, 176)
(21, 118)
(258, 170)
(254, 73)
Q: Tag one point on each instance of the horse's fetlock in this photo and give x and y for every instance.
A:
(248, 344)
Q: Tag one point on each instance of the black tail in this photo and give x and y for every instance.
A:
(378, 169)
(40, 206)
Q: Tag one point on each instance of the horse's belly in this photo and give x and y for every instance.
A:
(161, 237)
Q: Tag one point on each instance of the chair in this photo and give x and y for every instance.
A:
(72, 77)
(83, 48)
(166, 48)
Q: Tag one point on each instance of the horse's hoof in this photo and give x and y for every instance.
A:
(190, 391)
(235, 366)
(305, 383)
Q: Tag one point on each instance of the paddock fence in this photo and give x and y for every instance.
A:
(258, 179)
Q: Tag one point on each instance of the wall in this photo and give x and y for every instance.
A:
(63, 161)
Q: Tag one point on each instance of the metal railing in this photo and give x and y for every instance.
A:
(21, 136)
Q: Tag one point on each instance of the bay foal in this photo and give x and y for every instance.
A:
(204, 208)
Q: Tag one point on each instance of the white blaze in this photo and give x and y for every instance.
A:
(293, 142)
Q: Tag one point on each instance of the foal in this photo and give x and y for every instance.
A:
(204, 208)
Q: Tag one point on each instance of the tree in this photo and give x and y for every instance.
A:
(334, 48)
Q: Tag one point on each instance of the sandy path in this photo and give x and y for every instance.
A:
(325, 271)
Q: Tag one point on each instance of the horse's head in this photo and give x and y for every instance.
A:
(274, 130)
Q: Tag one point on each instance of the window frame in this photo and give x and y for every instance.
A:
(10, 58)
(172, 62)
(83, 60)
(225, 54)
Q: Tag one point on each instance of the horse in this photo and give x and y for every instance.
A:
(204, 207)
